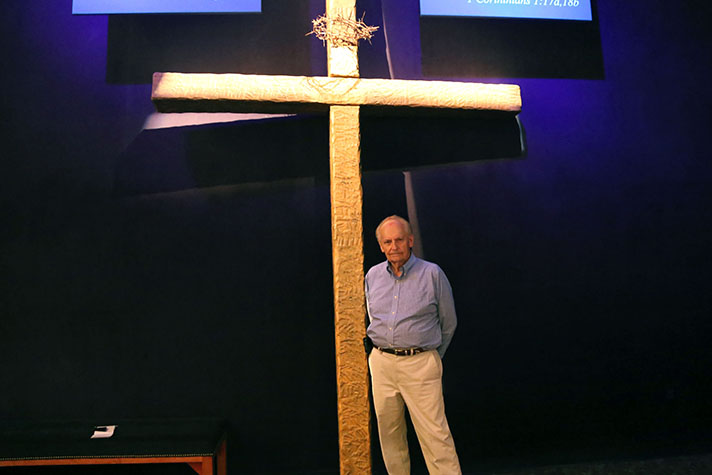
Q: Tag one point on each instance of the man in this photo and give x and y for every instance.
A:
(412, 320)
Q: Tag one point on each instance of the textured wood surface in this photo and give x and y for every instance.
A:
(176, 92)
(347, 253)
(342, 60)
(349, 300)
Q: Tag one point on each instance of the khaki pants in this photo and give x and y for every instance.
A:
(416, 382)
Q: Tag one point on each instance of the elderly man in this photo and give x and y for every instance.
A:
(412, 320)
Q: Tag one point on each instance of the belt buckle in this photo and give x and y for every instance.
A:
(402, 351)
(407, 352)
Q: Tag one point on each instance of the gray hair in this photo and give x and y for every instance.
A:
(394, 217)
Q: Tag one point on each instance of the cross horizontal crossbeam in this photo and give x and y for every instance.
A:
(179, 92)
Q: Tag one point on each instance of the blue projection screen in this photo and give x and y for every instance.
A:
(165, 6)
(541, 9)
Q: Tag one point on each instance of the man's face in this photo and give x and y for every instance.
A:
(395, 242)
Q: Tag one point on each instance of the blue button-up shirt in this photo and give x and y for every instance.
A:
(413, 310)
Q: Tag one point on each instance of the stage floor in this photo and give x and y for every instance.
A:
(682, 465)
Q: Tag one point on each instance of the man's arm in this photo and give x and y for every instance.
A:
(368, 310)
(446, 311)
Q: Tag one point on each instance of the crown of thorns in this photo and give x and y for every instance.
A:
(341, 31)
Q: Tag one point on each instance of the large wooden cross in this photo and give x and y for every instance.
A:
(342, 93)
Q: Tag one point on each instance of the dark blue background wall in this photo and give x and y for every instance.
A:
(580, 271)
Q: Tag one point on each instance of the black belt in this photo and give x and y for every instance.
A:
(402, 351)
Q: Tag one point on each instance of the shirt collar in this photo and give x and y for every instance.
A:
(406, 267)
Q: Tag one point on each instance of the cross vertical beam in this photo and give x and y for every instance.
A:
(349, 307)
(354, 411)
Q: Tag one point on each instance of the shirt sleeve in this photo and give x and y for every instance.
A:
(446, 311)
(368, 309)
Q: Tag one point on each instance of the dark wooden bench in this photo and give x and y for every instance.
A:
(199, 443)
